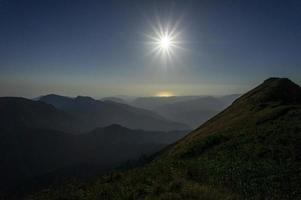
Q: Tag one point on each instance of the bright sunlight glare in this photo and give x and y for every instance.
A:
(165, 40)
(165, 43)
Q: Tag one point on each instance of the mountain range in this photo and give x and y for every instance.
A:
(54, 133)
(190, 110)
(250, 150)
(196, 111)
(20, 113)
(96, 113)
(162, 113)
(27, 153)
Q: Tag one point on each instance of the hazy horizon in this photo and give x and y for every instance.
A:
(121, 96)
(220, 90)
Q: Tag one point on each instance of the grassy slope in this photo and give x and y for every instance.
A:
(252, 150)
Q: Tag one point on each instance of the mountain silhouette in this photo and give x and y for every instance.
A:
(95, 113)
(57, 101)
(274, 91)
(38, 138)
(20, 112)
(251, 150)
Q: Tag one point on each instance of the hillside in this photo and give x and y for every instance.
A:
(96, 113)
(251, 150)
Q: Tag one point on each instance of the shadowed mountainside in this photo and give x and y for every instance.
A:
(251, 150)
(20, 113)
(26, 153)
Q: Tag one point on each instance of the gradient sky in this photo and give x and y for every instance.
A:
(98, 48)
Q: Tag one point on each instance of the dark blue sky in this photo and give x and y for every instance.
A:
(98, 48)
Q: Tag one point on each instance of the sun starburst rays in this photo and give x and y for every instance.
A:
(164, 41)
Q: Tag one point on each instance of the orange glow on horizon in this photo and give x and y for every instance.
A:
(164, 94)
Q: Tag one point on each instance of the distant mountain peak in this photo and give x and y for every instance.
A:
(52, 95)
(84, 98)
(274, 90)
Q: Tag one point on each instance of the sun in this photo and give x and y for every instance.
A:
(165, 41)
